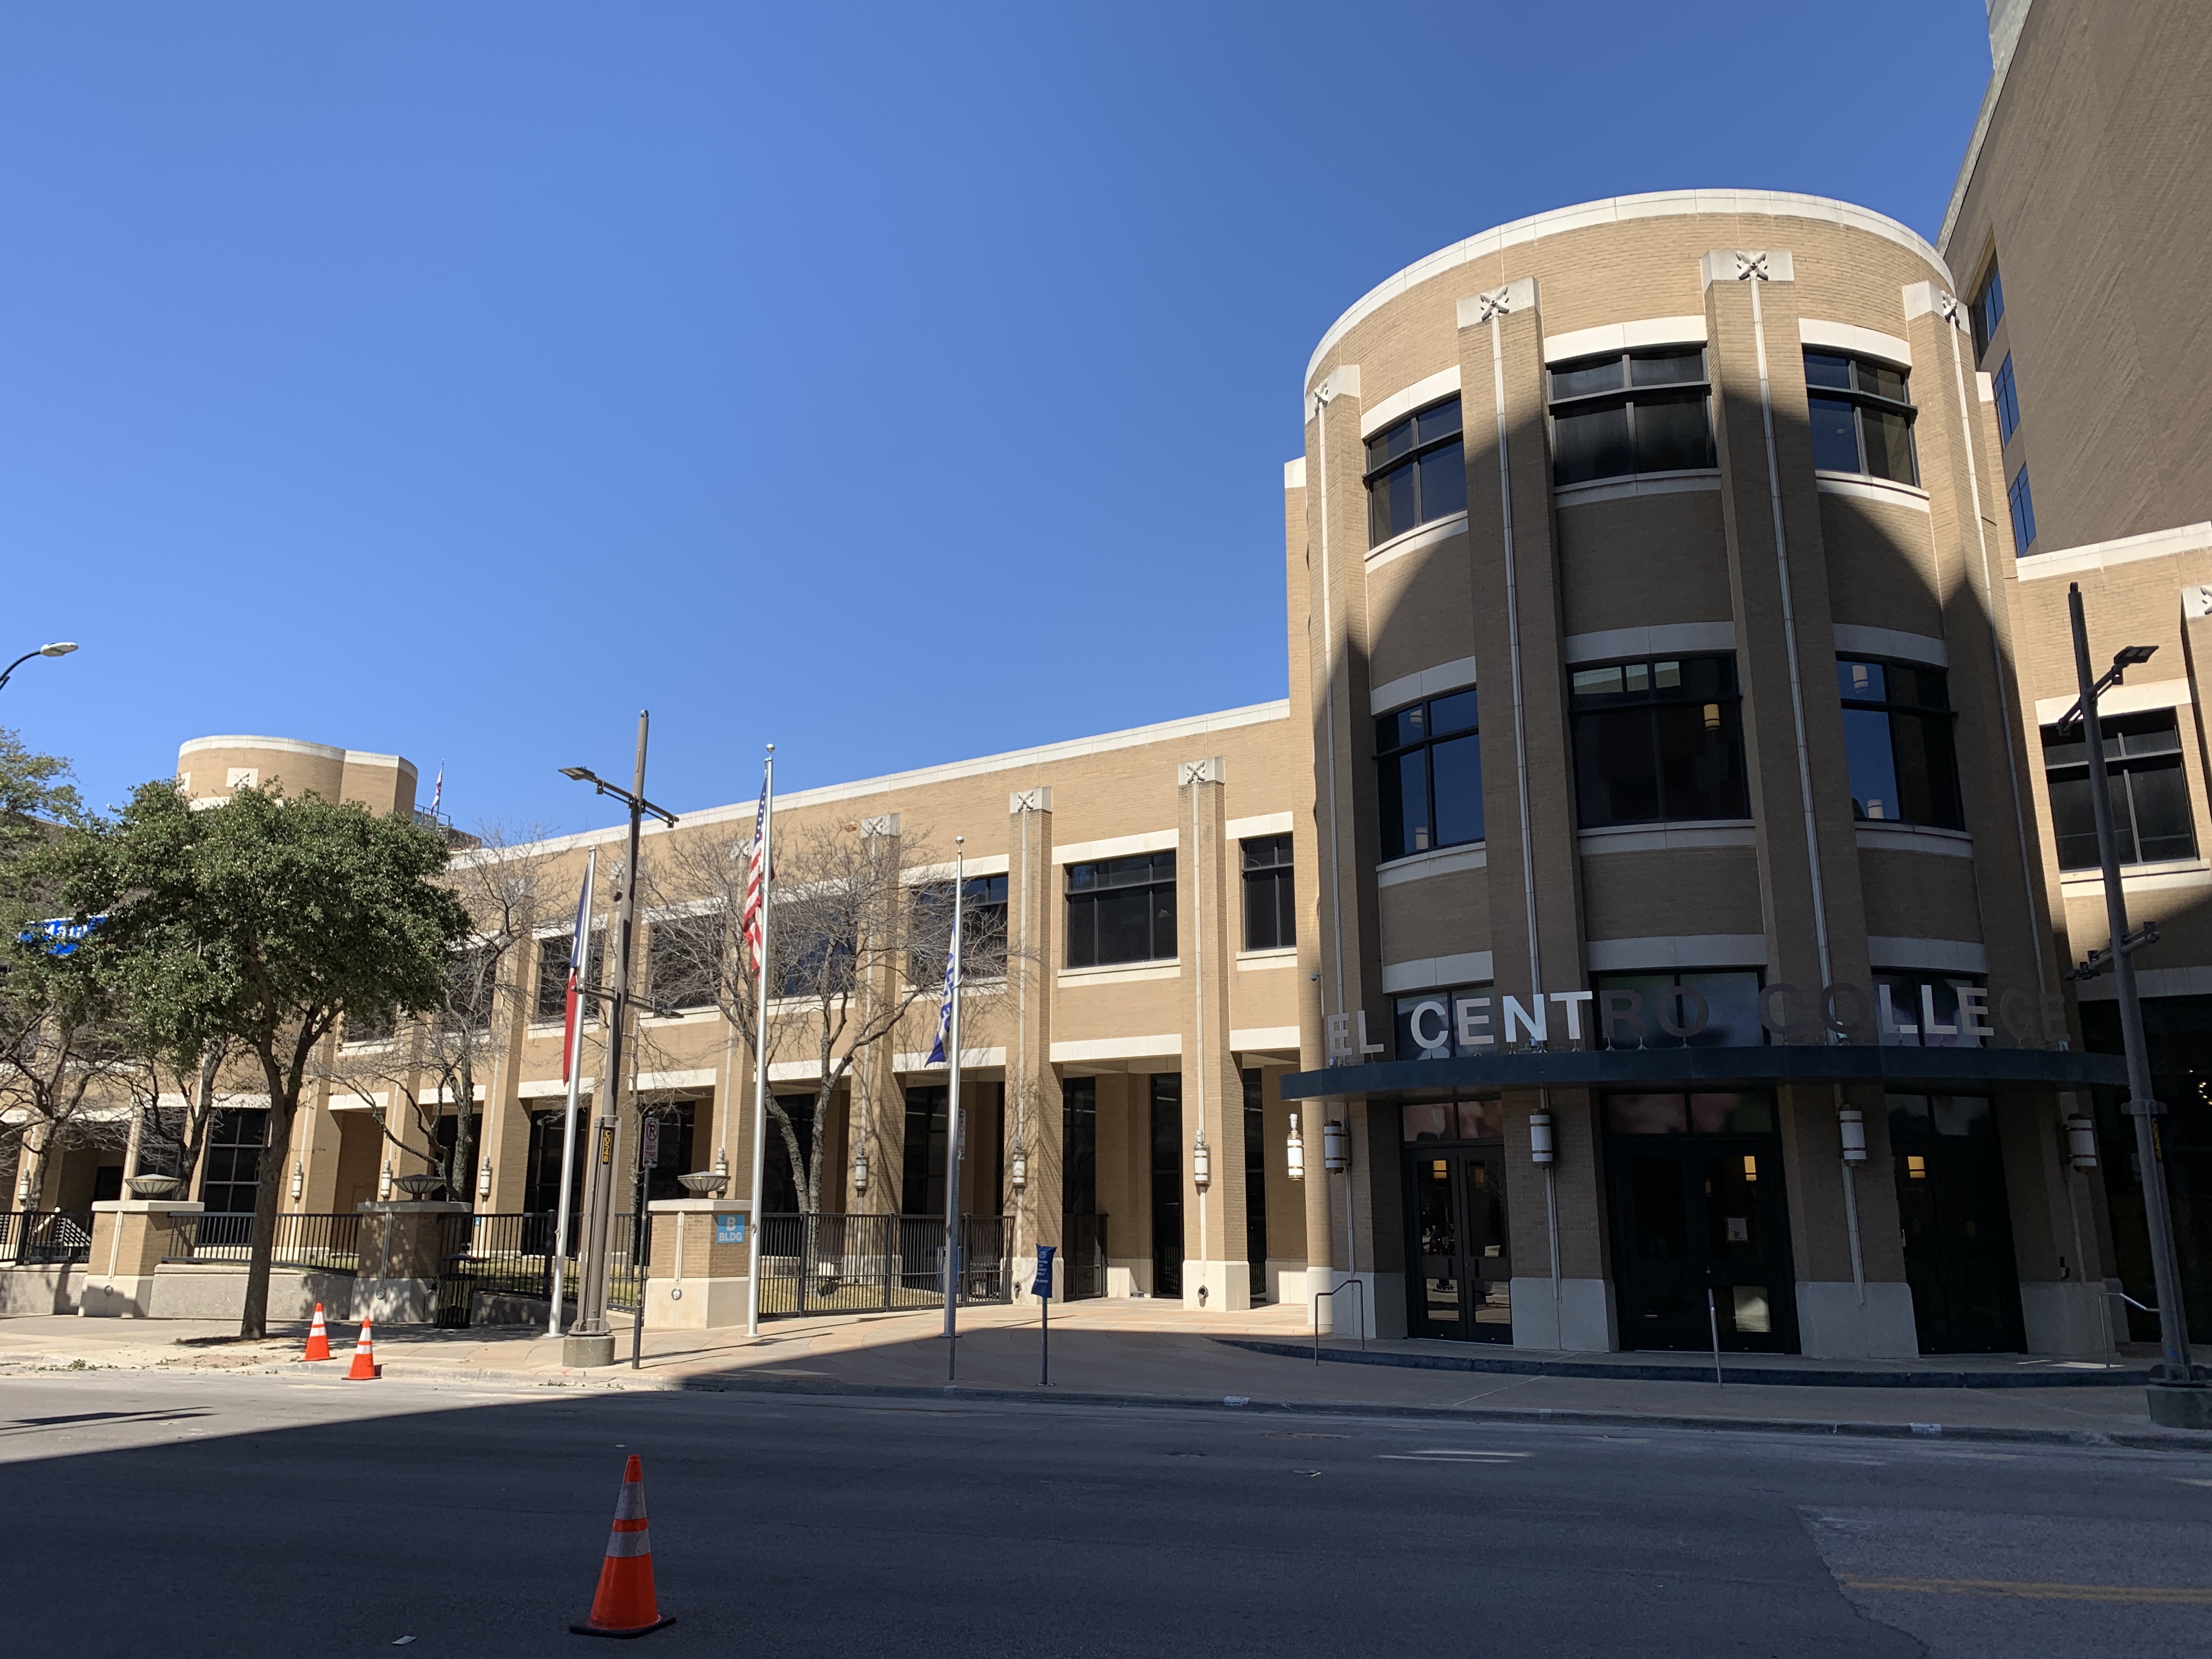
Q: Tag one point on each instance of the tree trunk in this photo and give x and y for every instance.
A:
(460, 1183)
(253, 1320)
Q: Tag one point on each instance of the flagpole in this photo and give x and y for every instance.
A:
(575, 1068)
(765, 853)
(953, 1126)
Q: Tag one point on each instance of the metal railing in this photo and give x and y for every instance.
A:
(44, 1238)
(866, 1263)
(312, 1243)
(512, 1254)
(1082, 1256)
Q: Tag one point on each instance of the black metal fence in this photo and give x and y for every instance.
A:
(863, 1263)
(1082, 1256)
(44, 1238)
(512, 1254)
(312, 1243)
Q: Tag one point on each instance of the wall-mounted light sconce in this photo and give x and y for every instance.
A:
(1018, 1166)
(299, 1179)
(1294, 1152)
(484, 1178)
(384, 1184)
(1540, 1138)
(1201, 1161)
(1335, 1147)
(859, 1169)
(2081, 1142)
(1852, 1122)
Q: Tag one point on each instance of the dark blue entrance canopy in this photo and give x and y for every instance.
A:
(1960, 1070)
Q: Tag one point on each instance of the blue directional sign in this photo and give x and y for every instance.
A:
(62, 934)
(1043, 1286)
(729, 1229)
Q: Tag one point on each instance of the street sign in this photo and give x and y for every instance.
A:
(729, 1229)
(1043, 1286)
(652, 1143)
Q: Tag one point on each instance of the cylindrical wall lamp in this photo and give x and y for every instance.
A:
(1852, 1122)
(299, 1179)
(484, 1177)
(1540, 1138)
(2081, 1142)
(1201, 1161)
(1017, 1167)
(859, 1169)
(1294, 1152)
(384, 1184)
(1335, 1147)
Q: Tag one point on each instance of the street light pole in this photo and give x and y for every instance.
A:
(952, 1124)
(2157, 1216)
(589, 1341)
(58, 648)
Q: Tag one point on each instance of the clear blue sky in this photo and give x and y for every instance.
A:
(458, 380)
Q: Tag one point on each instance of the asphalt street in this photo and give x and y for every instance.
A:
(157, 1514)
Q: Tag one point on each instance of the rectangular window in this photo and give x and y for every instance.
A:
(1122, 910)
(1987, 311)
(1445, 1024)
(1429, 764)
(236, 1140)
(982, 928)
(2007, 397)
(1711, 1009)
(1862, 416)
(550, 1003)
(1416, 472)
(2148, 791)
(2023, 513)
(683, 961)
(1658, 741)
(1898, 739)
(473, 984)
(1256, 1186)
(1630, 413)
(1915, 1009)
(1270, 909)
(1078, 1141)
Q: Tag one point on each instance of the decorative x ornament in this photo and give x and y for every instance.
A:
(1752, 268)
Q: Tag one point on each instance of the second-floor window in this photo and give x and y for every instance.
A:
(1416, 472)
(983, 926)
(1987, 311)
(1898, 738)
(2151, 819)
(1428, 762)
(684, 964)
(1270, 907)
(2023, 512)
(1631, 413)
(1658, 740)
(1122, 910)
(551, 1002)
(2008, 397)
(1862, 415)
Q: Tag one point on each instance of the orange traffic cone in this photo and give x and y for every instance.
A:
(364, 1368)
(624, 1605)
(319, 1338)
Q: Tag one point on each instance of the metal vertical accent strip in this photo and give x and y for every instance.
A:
(1513, 652)
(1753, 272)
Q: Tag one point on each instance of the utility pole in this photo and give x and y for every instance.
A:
(589, 1341)
(2157, 1216)
(952, 1124)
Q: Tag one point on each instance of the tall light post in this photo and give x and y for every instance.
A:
(2157, 1216)
(58, 648)
(589, 1341)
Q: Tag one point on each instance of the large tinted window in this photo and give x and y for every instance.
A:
(1122, 910)
(2007, 393)
(1658, 740)
(1717, 1008)
(1428, 762)
(2022, 504)
(1630, 413)
(2148, 790)
(1416, 472)
(1862, 416)
(1897, 734)
(1987, 311)
(1270, 896)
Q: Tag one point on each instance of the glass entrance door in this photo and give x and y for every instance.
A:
(1463, 1254)
(1698, 1211)
(1957, 1228)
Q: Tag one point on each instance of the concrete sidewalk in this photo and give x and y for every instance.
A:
(1130, 1353)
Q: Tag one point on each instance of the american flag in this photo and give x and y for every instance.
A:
(579, 945)
(757, 874)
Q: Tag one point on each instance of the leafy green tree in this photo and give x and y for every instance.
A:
(264, 921)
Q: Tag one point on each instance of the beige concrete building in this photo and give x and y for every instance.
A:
(2078, 229)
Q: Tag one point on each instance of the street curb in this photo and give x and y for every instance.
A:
(1742, 1375)
(2142, 1440)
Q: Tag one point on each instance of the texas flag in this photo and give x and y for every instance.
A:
(579, 946)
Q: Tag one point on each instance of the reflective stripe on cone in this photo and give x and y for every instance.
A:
(624, 1604)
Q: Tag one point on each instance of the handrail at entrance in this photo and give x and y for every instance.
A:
(1313, 1316)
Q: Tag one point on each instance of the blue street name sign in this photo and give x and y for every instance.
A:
(729, 1229)
(1043, 1286)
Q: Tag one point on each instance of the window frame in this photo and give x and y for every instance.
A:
(1378, 471)
(1731, 704)
(1426, 746)
(2020, 499)
(2122, 768)
(1941, 716)
(1155, 884)
(1279, 878)
(2006, 392)
(1986, 309)
(1627, 394)
(1861, 401)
